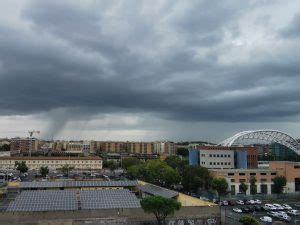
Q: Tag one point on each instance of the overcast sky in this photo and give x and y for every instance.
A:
(149, 70)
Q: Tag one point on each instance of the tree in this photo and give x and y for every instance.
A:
(243, 187)
(176, 163)
(279, 183)
(21, 166)
(4, 148)
(130, 161)
(253, 188)
(183, 151)
(155, 172)
(66, 169)
(220, 185)
(195, 177)
(112, 165)
(161, 207)
(44, 170)
(248, 220)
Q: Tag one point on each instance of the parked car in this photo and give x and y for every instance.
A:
(270, 207)
(252, 202)
(231, 202)
(281, 213)
(287, 207)
(278, 206)
(257, 201)
(245, 209)
(237, 210)
(294, 212)
(266, 219)
(297, 205)
(225, 203)
(240, 202)
(284, 217)
(272, 213)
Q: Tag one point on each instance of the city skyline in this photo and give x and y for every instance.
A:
(142, 71)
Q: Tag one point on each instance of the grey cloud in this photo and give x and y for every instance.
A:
(103, 58)
(293, 29)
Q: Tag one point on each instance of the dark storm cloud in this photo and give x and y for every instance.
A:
(130, 57)
(293, 29)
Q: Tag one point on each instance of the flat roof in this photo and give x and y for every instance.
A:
(243, 170)
(50, 158)
(157, 190)
(63, 200)
(68, 184)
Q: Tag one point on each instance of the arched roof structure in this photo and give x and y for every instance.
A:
(264, 135)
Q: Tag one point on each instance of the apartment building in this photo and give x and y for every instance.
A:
(19, 145)
(83, 163)
(140, 148)
(164, 148)
(74, 147)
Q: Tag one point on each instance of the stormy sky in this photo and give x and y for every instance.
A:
(149, 70)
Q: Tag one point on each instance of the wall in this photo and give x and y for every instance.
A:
(88, 216)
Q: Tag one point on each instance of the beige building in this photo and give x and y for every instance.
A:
(216, 158)
(84, 163)
(164, 148)
(264, 176)
(19, 145)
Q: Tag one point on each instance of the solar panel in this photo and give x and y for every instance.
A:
(44, 200)
(108, 199)
(59, 184)
(157, 190)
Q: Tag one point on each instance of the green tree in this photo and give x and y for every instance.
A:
(130, 161)
(21, 166)
(161, 207)
(253, 187)
(44, 170)
(66, 169)
(160, 173)
(112, 165)
(195, 177)
(176, 163)
(243, 187)
(182, 151)
(279, 183)
(4, 148)
(248, 220)
(220, 185)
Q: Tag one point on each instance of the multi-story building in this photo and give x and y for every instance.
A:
(20, 145)
(164, 148)
(75, 147)
(112, 147)
(84, 163)
(234, 177)
(290, 170)
(264, 176)
(214, 156)
(146, 148)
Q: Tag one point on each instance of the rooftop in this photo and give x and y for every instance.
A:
(50, 158)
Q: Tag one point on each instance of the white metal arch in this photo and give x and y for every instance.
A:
(265, 135)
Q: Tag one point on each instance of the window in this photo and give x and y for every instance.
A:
(242, 174)
(263, 174)
(214, 163)
(221, 163)
(232, 180)
(210, 163)
(214, 155)
(221, 155)
(210, 155)
(263, 180)
(226, 163)
(218, 155)
(218, 163)
(229, 164)
(230, 174)
(242, 180)
(228, 156)
(273, 174)
(252, 174)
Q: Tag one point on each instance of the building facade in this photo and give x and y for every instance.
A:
(20, 145)
(54, 163)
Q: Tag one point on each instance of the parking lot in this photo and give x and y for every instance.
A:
(232, 217)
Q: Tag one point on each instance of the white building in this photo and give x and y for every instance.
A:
(83, 163)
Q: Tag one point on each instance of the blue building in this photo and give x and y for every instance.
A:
(193, 157)
(240, 159)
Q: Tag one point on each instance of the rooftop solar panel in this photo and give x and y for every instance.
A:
(108, 199)
(156, 190)
(59, 184)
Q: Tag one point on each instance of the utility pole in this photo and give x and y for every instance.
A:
(30, 135)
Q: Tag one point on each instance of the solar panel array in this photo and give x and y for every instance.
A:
(50, 200)
(108, 199)
(61, 184)
(156, 190)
